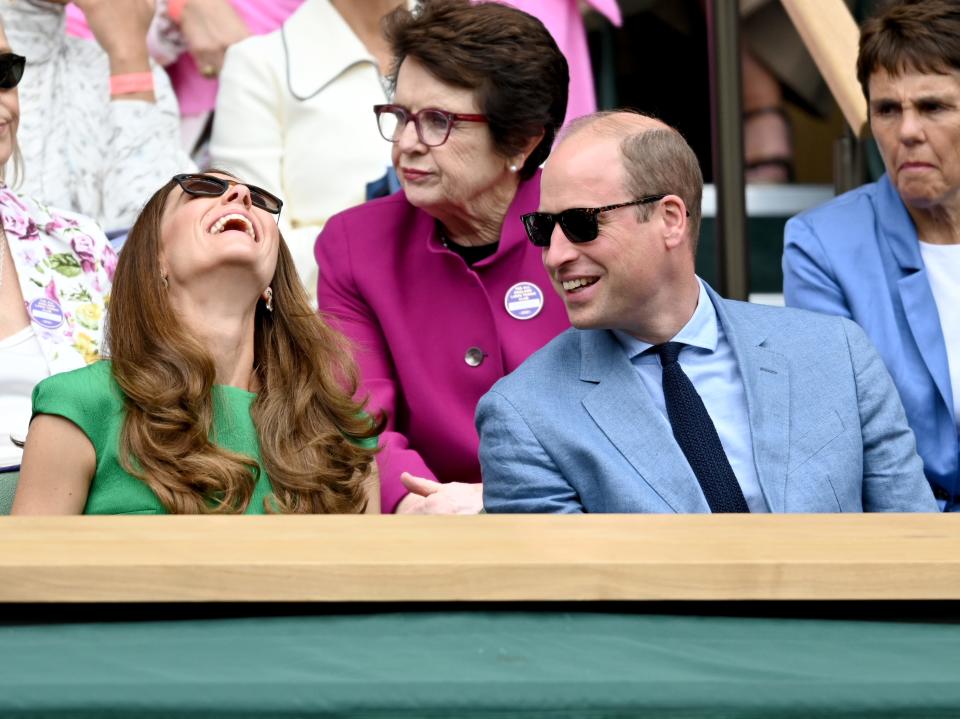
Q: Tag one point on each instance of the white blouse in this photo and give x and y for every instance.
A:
(22, 365)
(943, 271)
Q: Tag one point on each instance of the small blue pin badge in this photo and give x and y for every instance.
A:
(46, 313)
(523, 301)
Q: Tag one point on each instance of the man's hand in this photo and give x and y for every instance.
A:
(120, 27)
(210, 27)
(429, 497)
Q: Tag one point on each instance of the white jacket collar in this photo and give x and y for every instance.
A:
(320, 46)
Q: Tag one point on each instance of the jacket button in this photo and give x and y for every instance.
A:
(474, 356)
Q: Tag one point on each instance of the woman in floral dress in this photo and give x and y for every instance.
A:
(55, 274)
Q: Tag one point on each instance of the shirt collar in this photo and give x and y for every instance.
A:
(701, 329)
(312, 65)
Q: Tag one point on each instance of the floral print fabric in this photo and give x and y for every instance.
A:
(65, 267)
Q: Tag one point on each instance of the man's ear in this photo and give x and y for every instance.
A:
(674, 217)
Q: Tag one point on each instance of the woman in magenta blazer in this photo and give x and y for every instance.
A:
(437, 285)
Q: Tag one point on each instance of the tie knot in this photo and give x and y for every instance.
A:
(669, 351)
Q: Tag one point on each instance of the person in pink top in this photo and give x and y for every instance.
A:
(437, 286)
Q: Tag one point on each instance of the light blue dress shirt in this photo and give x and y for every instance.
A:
(709, 362)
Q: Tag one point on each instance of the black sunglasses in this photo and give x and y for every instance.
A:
(579, 224)
(11, 70)
(210, 186)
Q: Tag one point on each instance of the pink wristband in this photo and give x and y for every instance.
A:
(175, 9)
(131, 82)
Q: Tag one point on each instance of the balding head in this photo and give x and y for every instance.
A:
(612, 123)
(655, 158)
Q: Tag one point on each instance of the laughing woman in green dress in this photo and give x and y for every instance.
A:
(223, 391)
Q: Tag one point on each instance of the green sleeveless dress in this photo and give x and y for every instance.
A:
(91, 399)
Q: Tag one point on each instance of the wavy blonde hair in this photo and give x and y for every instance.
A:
(307, 422)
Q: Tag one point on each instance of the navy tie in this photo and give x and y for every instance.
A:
(694, 431)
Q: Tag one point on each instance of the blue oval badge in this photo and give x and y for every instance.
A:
(46, 313)
(523, 301)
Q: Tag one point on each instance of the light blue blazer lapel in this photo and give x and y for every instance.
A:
(896, 228)
(766, 383)
(625, 413)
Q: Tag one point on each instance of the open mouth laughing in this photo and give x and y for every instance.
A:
(233, 221)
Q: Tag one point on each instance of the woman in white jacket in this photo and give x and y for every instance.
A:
(294, 115)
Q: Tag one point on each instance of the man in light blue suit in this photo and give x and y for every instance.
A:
(665, 397)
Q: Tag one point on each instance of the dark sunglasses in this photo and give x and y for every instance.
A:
(579, 224)
(210, 186)
(11, 70)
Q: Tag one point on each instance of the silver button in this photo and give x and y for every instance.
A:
(474, 356)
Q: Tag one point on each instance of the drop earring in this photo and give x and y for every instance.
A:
(268, 298)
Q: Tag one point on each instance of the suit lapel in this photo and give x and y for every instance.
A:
(625, 413)
(919, 307)
(766, 382)
(921, 312)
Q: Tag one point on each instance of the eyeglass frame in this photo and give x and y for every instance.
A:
(592, 212)
(15, 61)
(451, 117)
(227, 184)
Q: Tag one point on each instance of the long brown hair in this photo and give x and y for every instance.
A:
(307, 422)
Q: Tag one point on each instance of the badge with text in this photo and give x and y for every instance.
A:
(523, 301)
(46, 313)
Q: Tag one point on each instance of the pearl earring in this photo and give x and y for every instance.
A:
(513, 168)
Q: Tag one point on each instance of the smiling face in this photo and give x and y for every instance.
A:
(464, 170)
(9, 112)
(204, 235)
(609, 282)
(915, 118)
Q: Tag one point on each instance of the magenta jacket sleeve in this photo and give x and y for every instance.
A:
(342, 305)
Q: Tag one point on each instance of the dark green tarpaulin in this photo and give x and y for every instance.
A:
(481, 664)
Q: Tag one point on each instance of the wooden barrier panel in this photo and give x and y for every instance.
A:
(479, 558)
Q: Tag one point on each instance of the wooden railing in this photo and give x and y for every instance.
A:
(479, 558)
(830, 34)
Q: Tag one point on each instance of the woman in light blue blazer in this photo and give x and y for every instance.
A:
(887, 255)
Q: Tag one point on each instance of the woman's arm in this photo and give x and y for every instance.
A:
(342, 304)
(808, 279)
(58, 465)
(144, 147)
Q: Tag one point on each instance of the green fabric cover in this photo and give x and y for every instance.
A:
(481, 664)
(8, 487)
(91, 399)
